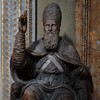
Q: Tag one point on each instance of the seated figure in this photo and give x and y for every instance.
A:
(50, 69)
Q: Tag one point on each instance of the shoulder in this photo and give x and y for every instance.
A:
(37, 48)
(67, 52)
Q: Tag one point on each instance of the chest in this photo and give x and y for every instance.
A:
(51, 64)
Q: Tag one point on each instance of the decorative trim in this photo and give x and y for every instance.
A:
(81, 29)
(9, 29)
(11, 9)
(2, 63)
(86, 40)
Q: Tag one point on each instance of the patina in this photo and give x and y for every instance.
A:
(50, 69)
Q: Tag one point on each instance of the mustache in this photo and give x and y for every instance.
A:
(47, 33)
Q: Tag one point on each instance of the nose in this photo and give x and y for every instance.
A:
(50, 28)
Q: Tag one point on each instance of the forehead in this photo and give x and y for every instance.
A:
(50, 22)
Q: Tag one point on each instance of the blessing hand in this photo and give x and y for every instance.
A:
(22, 23)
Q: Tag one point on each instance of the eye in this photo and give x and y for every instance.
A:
(47, 25)
(54, 25)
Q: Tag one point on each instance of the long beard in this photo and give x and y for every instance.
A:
(51, 40)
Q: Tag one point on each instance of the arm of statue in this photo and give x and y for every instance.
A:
(83, 83)
(21, 63)
(19, 51)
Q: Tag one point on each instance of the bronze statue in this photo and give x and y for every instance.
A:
(50, 69)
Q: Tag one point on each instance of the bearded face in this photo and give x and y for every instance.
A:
(51, 34)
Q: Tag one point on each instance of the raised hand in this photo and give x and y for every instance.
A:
(22, 23)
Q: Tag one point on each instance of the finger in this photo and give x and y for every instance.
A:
(22, 19)
(19, 18)
(25, 13)
(19, 24)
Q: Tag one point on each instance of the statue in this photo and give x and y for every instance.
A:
(50, 69)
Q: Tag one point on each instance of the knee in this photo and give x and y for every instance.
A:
(14, 86)
(28, 93)
(15, 90)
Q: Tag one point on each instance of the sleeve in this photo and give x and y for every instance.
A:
(24, 72)
(82, 82)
